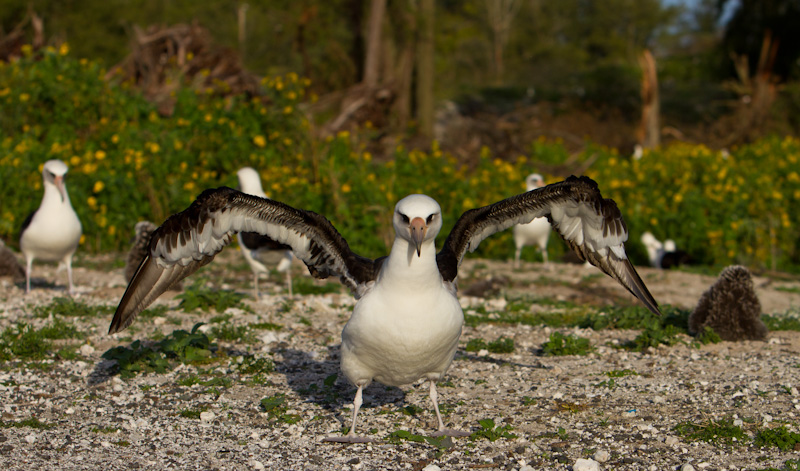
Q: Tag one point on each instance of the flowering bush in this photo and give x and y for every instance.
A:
(128, 162)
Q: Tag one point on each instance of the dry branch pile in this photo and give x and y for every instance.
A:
(164, 58)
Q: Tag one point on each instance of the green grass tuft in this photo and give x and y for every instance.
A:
(560, 345)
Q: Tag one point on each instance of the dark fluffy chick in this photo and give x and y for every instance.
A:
(9, 264)
(141, 245)
(730, 307)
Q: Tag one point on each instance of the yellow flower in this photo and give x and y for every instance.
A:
(346, 188)
(92, 202)
(188, 186)
(260, 141)
(98, 186)
(287, 110)
(64, 49)
(75, 161)
(153, 147)
(112, 230)
(83, 239)
(115, 139)
(99, 155)
(24, 97)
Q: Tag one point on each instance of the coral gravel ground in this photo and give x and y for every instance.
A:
(628, 410)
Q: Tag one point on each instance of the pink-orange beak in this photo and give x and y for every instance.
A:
(59, 181)
(418, 230)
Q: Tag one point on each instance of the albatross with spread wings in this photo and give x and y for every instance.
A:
(407, 321)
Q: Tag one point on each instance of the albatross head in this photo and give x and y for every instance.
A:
(53, 173)
(534, 181)
(250, 182)
(417, 218)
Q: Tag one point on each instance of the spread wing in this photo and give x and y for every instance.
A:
(190, 239)
(590, 225)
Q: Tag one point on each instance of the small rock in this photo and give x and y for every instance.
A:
(105, 444)
(687, 467)
(256, 465)
(431, 467)
(69, 411)
(527, 468)
(31, 438)
(586, 465)
(207, 416)
(601, 456)
(672, 441)
(86, 350)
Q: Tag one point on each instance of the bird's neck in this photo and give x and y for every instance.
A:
(404, 264)
(52, 197)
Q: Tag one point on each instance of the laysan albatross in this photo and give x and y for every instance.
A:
(53, 231)
(535, 232)
(407, 321)
(258, 248)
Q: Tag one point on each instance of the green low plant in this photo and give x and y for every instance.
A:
(713, 431)
(197, 296)
(560, 345)
(180, 345)
(780, 437)
(493, 432)
(276, 407)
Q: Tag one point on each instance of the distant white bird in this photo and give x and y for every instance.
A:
(53, 231)
(259, 249)
(664, 255)
(407, 321)
(535, 232)
(654, 247)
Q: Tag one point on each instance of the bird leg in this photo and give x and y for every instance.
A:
(442, 430)
(29, 261)
(517, 254)
(544, 257)
(71, 290)
(255, 286)
(289, 280)
(351, 436)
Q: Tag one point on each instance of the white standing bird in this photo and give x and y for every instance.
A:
(407, 321)
(258, 249)
(535, 232)
(53, 231)
(655, 249)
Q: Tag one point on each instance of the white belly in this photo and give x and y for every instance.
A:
(397, 341)
(52, 235)
(535, 232)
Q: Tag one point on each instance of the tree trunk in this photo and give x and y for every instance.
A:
(649, 134)
(372, 64)
(425, 68)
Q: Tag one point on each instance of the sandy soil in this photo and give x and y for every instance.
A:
(560, 408)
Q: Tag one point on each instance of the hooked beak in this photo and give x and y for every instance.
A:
(418, 229)
(59, 181)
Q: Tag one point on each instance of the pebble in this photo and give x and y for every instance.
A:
(207, 416)
(86, 350)
(672, 441)
(527, 468)
(586, 465)
(687, 467)
(257, 465)
(31, 438)
(431, 467)
(601, 456)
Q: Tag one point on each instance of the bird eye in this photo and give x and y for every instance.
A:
(405, 218)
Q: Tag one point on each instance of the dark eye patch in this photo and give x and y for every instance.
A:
(405, 218)
(429, 219)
